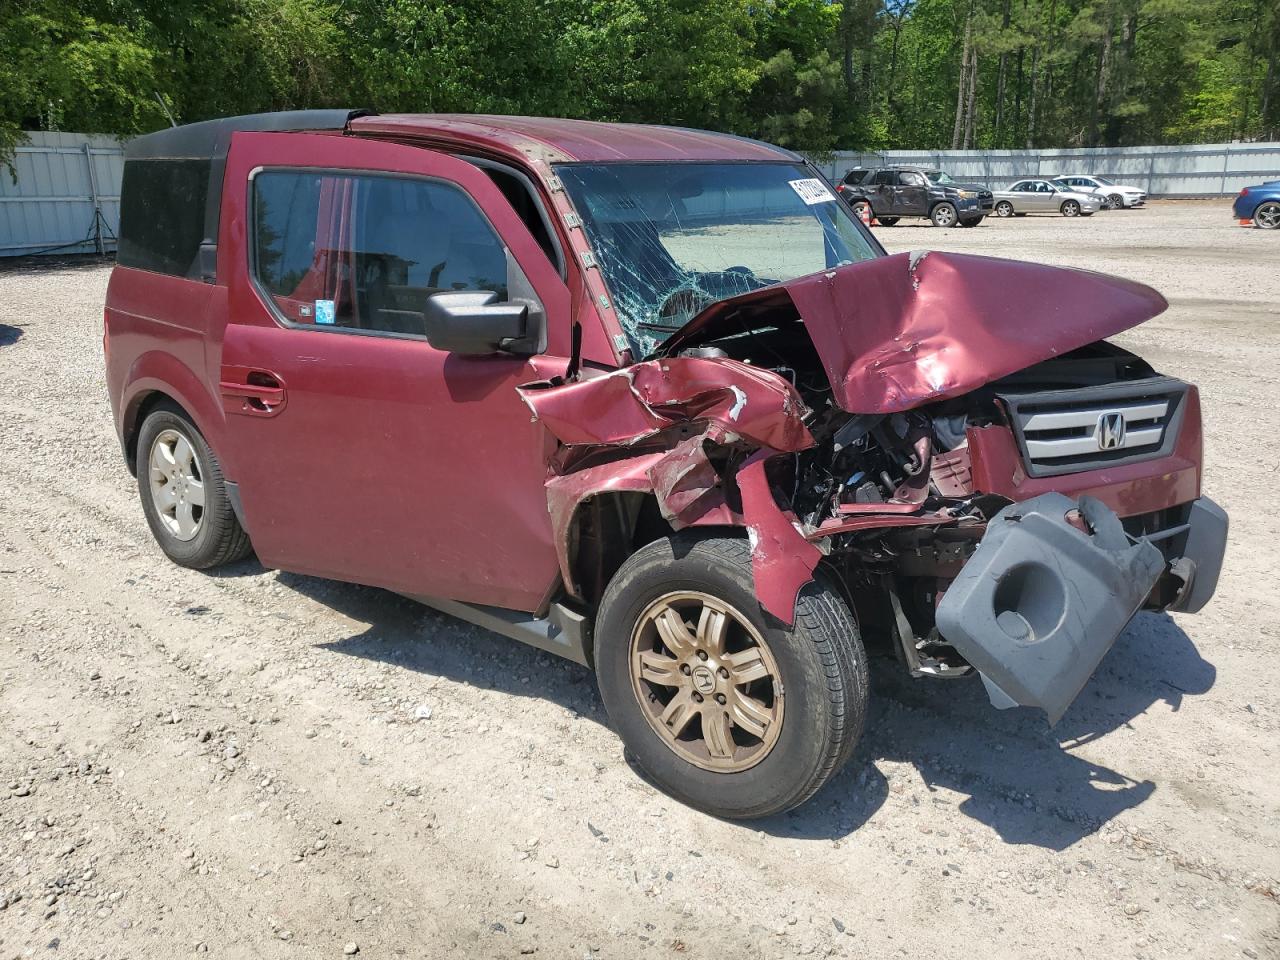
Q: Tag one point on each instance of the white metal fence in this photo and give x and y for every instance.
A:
(67, 195)
(1202, 170)
(66, 198)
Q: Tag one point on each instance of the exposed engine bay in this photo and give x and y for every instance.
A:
(891, 496)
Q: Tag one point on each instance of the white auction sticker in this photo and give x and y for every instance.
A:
(812, 190)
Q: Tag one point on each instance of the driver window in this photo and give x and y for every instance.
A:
(365, 252)
(885, 178)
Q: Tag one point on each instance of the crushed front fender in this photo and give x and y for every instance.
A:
(1043, 598)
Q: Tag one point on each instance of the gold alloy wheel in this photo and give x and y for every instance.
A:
(693, 656)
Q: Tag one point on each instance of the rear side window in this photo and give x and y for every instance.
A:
(855, 176)
(365, 252)
(886, 178)
(162, 215)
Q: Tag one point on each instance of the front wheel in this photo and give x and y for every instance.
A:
(1267, 216)
(1070, 208)
(888, 221)
(970, 221)
(1004, 209)
(943, 215)
(723, 706)
(1115, 202)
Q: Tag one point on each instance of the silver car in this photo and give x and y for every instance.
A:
(1043, 196)
(1112, 195)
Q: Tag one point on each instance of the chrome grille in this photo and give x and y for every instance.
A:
(1067, 431)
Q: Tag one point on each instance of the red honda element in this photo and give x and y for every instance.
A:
(651, 399)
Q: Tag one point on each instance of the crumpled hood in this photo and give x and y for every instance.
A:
(897, 332)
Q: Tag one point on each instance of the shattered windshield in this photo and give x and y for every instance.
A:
(939, 177)
(672, 238)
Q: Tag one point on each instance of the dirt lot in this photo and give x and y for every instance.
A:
(256, 764)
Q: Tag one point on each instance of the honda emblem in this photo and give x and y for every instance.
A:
(1110, 432)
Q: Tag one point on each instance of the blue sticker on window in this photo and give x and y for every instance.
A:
(324, 311)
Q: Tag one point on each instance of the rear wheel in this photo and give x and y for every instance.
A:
(888, 221)
(1267, 216)
(183, 493)
(970, 221)
(1004, 209)
(943, 215)
(723, 706)
(1070, 208)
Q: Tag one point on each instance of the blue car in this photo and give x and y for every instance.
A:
(1261, 204)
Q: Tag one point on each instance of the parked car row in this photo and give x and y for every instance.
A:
(894, 192)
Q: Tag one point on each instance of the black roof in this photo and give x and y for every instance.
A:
(209, 139)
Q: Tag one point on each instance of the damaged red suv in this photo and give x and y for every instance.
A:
(651, 399)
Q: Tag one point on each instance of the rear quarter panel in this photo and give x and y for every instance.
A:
(156, 340)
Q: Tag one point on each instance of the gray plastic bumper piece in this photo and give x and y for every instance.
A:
(1040, 602)
(1201, 560)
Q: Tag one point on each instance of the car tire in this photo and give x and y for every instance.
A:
(1070, 208)
(1267, 215)
(970, 221)
(858, 206)
(183, 493)
(807, 688)
(1115, 201)
(944, 215)
(1004, 209)
(888, 221)
(1019, 214)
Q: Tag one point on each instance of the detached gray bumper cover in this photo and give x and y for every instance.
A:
(1040, 602)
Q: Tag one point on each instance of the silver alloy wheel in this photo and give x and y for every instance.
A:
(1004, 209)
(1070, 208)
(1267, 216)
(177, 489)
(944, 215)
(1116, 201)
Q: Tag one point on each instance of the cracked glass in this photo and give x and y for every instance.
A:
(673, 238)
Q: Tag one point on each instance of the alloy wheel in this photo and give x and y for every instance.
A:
(706, 681)
(1267, 216)
(1070, 208)
(1115, 202)
(177, 489)
(1004, 209)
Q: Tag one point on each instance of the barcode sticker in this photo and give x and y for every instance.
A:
(812, 190)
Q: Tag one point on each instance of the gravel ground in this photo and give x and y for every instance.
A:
(257, 764)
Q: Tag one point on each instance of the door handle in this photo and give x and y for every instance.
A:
(255, 393)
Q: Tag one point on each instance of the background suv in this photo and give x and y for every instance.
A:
(892, 193)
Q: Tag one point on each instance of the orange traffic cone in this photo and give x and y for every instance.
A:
(1243, 223)
(864, 213)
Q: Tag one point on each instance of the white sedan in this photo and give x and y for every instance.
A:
(1113, 196)
(1043, 196)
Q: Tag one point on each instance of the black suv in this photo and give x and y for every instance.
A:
(896, 192)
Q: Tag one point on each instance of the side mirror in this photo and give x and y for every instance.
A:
(476, 322)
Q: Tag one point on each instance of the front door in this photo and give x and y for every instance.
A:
(361, 452)
(913, 195)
